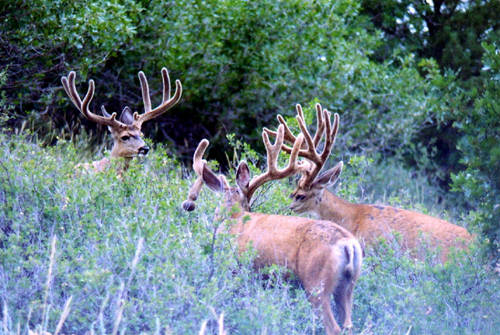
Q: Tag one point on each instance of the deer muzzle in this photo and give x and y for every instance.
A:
(143, 150)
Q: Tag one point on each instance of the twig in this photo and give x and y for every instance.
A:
(64, 315)
(122, 297)
(49, 282)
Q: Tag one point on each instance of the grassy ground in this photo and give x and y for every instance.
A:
(102, 255)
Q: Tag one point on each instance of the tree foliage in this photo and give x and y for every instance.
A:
(241, 63)
(449, 31)
(480, 146)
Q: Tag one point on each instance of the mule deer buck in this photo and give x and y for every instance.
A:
(325, 257)
(367, 222)
(128, 139)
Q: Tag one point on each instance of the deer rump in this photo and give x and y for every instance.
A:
(325, 257)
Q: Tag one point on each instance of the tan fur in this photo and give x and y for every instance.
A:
(325, 257)
(124, 149)
(314, 251)
(95, 166)
(372, 222)
(366, 222)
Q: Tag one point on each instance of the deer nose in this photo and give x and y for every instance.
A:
(143, 150)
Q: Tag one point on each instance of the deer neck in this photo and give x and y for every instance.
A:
(115, 154)
(123, 162)
(338, 210)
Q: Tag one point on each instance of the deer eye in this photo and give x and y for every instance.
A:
(300, 197)
(125, 138)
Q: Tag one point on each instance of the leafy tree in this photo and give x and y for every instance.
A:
(241, 63)
(480, 146)
(450, 31)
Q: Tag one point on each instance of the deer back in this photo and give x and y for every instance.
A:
(369, 223)
(282, 239)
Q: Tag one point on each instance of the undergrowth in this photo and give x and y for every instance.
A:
(92, 253)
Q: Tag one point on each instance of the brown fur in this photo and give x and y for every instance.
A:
(371, 222)
(325, 257)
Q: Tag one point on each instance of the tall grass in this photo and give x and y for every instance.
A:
(128, 259)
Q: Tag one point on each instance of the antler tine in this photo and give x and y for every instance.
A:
(198, 163)
(303, 129)
(145, 93)
(312, 155)
(331, 132)
(320, 124)
(83, 106)
(273, 172)
(166, 84)
(66, 85)
(289, 137)
(167, 101)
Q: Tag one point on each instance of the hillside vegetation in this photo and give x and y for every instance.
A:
(417, 87)
(129, 259)
(414, 82)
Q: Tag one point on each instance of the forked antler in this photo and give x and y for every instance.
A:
(290, 138)
(273, 172)
(310, 152)
(198, 163)
(83, 106)
(166, 103)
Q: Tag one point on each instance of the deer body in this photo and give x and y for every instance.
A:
(369, 223)
(282, 239)
(325, 257)
(95, 166)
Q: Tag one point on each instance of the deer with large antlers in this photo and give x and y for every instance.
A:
(367, 222)
(128, 139)
(325, 257)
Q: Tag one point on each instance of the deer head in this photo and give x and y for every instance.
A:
(246, 186)
(128, 139)
(311, 185)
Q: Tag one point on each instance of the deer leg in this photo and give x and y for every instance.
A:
(343, 301)
(331, 326)
(321, 305)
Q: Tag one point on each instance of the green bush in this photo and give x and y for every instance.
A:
(130, 258)
(99, 221)
(480, 147)
(241, 63)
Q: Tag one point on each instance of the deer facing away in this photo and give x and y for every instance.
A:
(366, 222)
(128, 139)
(325, 257)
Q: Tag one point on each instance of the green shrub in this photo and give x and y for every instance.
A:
(241, 62)
(128, 255)
(479, 183)
(99, 221)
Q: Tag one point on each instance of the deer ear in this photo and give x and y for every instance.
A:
(329, 177)
(211, 179)
(126, 116)
(243, 176)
